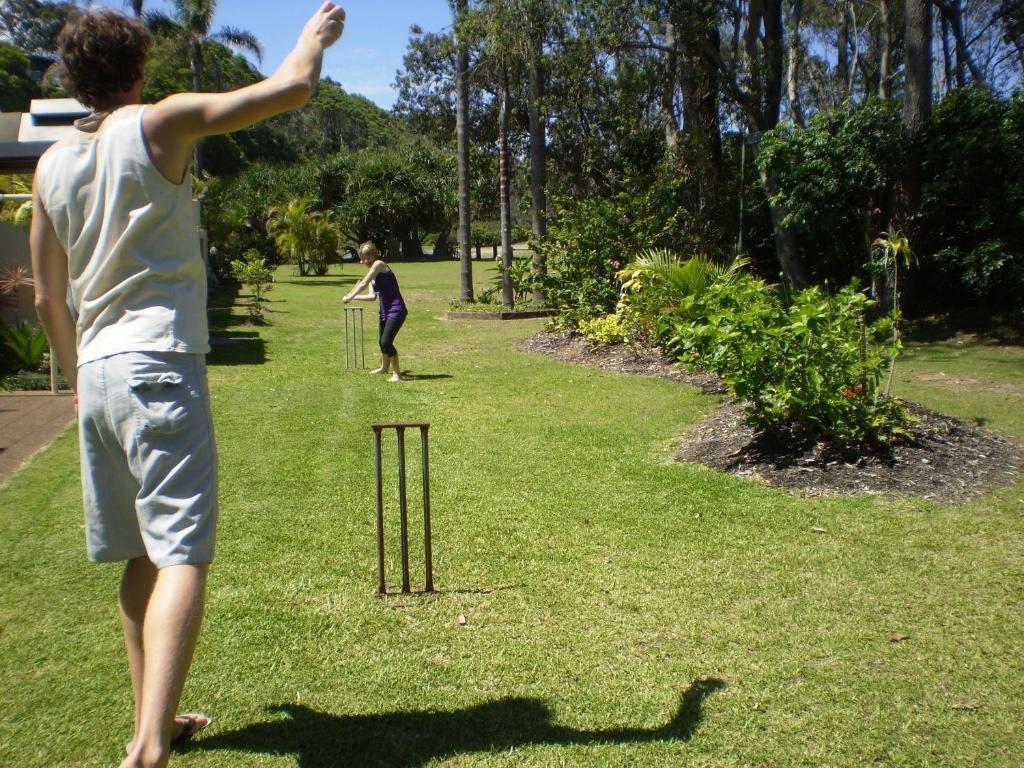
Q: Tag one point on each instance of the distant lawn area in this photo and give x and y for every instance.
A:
(620, 609)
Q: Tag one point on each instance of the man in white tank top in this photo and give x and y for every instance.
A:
(114, 233)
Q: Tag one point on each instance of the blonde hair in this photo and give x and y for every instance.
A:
(368, 249)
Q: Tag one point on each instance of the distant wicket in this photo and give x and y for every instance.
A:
(403, 507)
(355, 347)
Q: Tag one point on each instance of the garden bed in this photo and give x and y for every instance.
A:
(469, 314)
(949, 460)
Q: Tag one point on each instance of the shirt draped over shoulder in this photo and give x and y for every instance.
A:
(137, 277)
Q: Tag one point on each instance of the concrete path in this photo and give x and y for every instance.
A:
(29, 421)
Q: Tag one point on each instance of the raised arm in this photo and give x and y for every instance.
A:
(50, 272)
(175, 123)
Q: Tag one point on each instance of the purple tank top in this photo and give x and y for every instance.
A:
(392, 306)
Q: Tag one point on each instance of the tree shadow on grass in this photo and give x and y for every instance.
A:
(236, 347)
(413, 739)
(319, 282)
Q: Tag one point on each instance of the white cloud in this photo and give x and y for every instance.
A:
(374, 82)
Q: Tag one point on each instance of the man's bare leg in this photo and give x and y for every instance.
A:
(136, 587)
(170, 628)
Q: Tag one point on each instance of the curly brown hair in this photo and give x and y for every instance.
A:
(103, 54)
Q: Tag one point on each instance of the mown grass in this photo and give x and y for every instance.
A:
(621, 609)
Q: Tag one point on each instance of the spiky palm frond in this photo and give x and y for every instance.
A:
(196, 16)
(162, 25)
(687, 278)
(239, 39)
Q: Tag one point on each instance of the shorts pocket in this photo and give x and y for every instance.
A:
(162, 401)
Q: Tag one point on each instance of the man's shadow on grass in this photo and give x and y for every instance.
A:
(413, 739)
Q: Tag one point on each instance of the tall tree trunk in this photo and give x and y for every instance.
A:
(885, 57)
(504, 191)
(917, 104)
(538, 169)
(696, 26)
(843, 56)
(667, 111)
(412, 248)
(917, 97)
(947, 56)
(796, 113)
(765, 117)
(786, 250)
(953, 13)
(462, 149)
(441, 245)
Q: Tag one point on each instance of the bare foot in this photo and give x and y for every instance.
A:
(185, 727)
(395, 377)
(378, 370)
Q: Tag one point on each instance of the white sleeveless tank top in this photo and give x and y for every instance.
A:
(137, 277)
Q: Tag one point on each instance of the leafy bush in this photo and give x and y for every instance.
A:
(809, 368)
(395, 195)
(836, 178)
(307, 237)
(971, 219)
(609, 329)
(521, 272)
(237, 209)
(31, 381)
(27, 342)
(255, 273)
(655, 286)
(590, 239)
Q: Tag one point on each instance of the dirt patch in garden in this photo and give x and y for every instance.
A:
(948, 460)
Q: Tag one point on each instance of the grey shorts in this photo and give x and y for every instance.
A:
(149, 461)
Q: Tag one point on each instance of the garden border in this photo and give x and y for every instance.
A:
(513, 315)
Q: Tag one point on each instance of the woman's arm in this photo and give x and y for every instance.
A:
(370, 295)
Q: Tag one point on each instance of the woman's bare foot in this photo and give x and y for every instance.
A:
(378, 370)
(396, 377)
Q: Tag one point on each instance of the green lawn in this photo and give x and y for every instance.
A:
(621, 610)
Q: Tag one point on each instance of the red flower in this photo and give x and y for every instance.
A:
(858, 390)
(847, 392)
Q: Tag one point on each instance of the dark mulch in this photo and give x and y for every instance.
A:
(949, 460)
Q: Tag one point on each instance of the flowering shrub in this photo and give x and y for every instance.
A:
(808, 368)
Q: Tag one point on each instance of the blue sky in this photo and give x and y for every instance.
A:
(366, 58)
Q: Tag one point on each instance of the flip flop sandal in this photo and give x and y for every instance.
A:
(194, 723)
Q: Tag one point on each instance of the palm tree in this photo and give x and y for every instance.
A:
(190, 25)
(497, 23)
(459, 10)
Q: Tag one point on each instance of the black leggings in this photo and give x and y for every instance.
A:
(388, 330)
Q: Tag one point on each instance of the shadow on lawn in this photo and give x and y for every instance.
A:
(424, 376)
(236, 347)
(413, 739)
